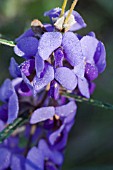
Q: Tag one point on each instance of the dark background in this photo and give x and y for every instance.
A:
(90, 144)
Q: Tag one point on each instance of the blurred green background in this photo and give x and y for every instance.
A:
(90, 144)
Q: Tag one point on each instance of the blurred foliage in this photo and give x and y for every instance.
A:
(90, 145)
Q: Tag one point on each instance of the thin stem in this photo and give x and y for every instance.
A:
(6, 42)
(70, 11)
(11, 127)
(89, 101)
(63, 8)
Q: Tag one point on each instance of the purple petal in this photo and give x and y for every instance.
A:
(27, 67)
(83, 87)
(100, 57)
(2, 125)
(24, 90)
(92, 34)
(53, 13)
(14, 68)
(89, 45)
(13, 108)
(54, 90)
(72, 48)
(65, 110)
(48, 76)
(79, 69)
(66, 78)
(6, 90)
(26, 80)
(27, 47)
(55, 156)
(39, 65)
(35, 160)
(42, 114)
(49, 42)
(4, 158)
(17, 162)
(91, 72)
(49, 27)
(4, 112)
(79, 22)
(28, 33)
(58, 55)
(55, 135)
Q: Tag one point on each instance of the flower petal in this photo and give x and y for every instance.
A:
(13, 108)
(5, 158)
(14, 68)
(49, 42)
(79, 69)
(65, 110)
(100, 57)
(26, 47)
(89, 45)
(17, 162)
(35, 160)
(91, 72)
(39, 65)
(72, 48)
(48, 76)
(83, 87)
(66, 78)
(42, 114)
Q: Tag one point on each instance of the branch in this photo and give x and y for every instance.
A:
(4, 134)
(6, 42)
(89, 101)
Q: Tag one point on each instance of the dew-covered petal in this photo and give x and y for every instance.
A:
(100, 57)
(52, 154)
(48, 76)
(17, 162)
(27, 47)
(39, 65)
(27, 67)
(6, 90)
(42, 114)
(14, 68)
(34, 160)
(83, 87)
(89, 46)
(79, 22)
(49, 42)
(28, 33)
(79, 69)
(65, 110)
(66, 78)
(13, 108)
(91, 72)
(72, 48)
(4, 158)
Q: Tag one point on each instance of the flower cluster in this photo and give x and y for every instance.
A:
(56, 60)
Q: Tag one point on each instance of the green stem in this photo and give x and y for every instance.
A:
(89, 101)
(4, 134)
(6, 42)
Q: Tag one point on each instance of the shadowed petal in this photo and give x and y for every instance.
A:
(83, 87)
(14, 68)
(4, 158)
(72, 48)
(42, 114)
(66, 78)
(17, 162)
(49, 42)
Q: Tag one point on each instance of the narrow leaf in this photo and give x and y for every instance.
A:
(6, 42)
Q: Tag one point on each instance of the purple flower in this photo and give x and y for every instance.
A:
(9, 96)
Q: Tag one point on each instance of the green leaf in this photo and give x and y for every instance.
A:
(6, 42)
(89, 101)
